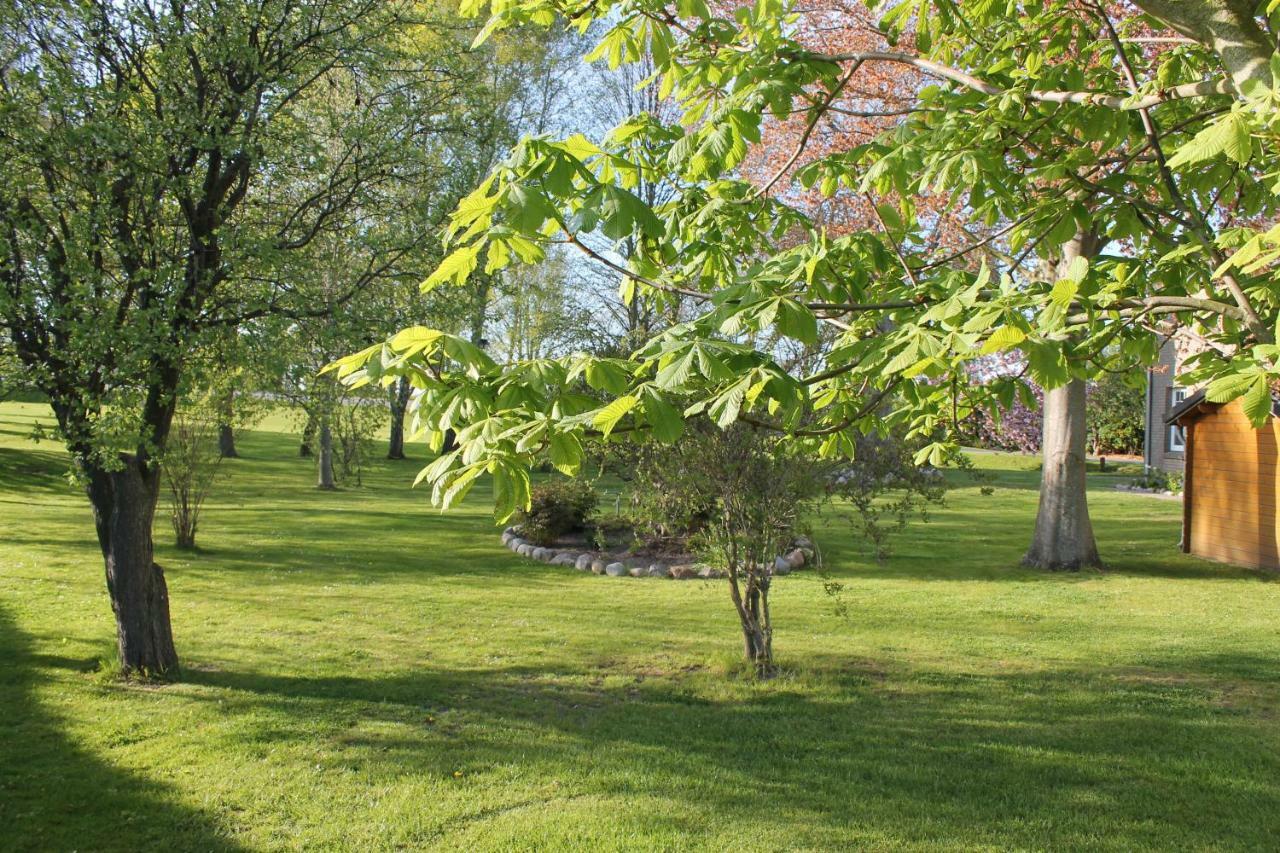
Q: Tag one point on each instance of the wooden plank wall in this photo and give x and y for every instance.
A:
(1234, 490)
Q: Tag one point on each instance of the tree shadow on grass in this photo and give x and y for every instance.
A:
(939, 758)
(56, 796)
(23, 470)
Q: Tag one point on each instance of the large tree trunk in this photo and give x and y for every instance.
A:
(1063, 537)
(399, 403)
(324, 475)
(227, 442)
(124, 508)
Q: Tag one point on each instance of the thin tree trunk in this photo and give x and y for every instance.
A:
(757, 642)
(1063, 536)
(399, 403)
(124, 507)
(324, 477)
(308, 436)
(227, 442)
(226, 433)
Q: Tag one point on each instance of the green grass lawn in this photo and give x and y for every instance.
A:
(364, 673)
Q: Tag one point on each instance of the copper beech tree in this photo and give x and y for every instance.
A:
(1124, 180)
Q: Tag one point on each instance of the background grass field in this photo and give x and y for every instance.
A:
(362, 672)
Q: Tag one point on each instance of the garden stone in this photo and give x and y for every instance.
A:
(507, 536)
(616, 570)
(638, 572)
(659, 570)
(598, 567)
(709, 573)
(684, 573)
(583, 563)
(636, 563)
(525, 549)
(540, 553)
(564, 558)
(515, 543)
(781, 566)
(797, 558)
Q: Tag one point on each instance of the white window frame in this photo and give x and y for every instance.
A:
(1177, 435)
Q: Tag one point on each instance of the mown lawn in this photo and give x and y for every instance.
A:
(365, 673)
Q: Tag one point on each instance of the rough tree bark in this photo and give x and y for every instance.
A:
(324, 461)
(399, 403)
(124, 508)
(227, 442)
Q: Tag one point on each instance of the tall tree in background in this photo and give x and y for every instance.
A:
(870, 105)
(159, 163)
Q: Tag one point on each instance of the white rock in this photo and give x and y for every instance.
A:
(583, 563)
(616, 570)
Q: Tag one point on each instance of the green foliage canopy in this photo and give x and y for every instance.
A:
(1045, 122)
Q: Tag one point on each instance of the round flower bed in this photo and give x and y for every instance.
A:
(616, 565)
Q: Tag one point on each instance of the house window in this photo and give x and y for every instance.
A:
(1177, 435)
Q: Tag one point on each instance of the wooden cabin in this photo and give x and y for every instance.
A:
(1232, 483)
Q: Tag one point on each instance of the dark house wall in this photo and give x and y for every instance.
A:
(1161, 449)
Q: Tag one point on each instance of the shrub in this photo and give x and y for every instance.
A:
(885, 490)
(1117, 416)
(1164, 481)
(190, 465)
(557, 507)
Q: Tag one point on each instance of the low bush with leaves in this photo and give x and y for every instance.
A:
(1117, 416)
(556, 508)
(885, 490)
(1161, 481)
(355, 423)
(190, 466)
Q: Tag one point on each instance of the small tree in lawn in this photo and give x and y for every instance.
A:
(762, 493)
(190, 465)
(748, 493)
(740, 497)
